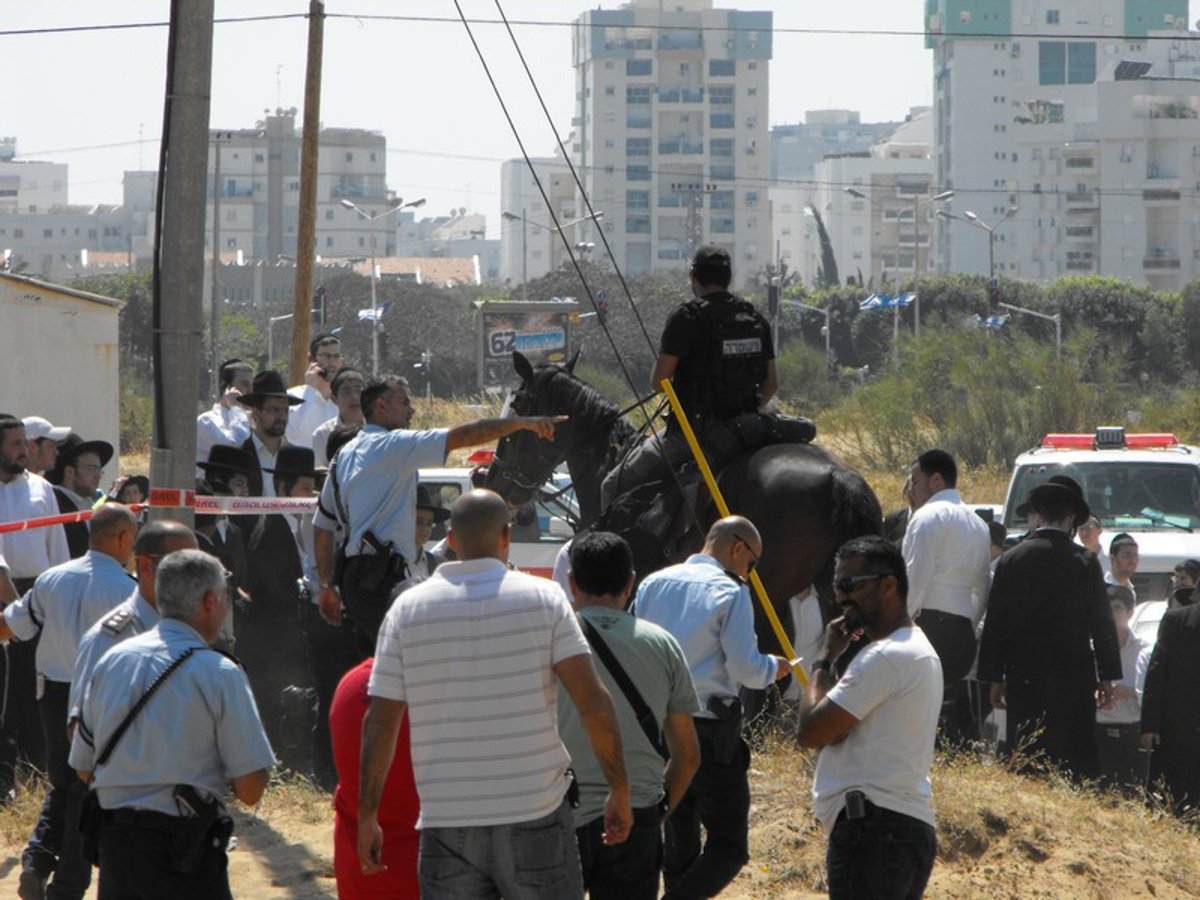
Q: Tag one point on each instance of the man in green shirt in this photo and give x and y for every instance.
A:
(653, 663)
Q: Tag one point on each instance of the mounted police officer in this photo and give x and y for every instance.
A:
(718, 352)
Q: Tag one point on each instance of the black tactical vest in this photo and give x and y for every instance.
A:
(733, 346)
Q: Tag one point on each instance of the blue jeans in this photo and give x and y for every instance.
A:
(626, 871)
(536, 860)
(885, 856)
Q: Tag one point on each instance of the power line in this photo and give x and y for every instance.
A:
(948, 34)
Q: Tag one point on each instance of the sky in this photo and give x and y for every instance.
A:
(94, 99)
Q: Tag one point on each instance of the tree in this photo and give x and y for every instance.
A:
(827, 273)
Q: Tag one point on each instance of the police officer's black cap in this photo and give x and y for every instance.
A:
(711, 256)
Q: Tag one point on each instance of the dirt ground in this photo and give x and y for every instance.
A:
(1000, 835)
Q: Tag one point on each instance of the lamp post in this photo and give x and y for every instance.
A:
(396, 206)
(918, 202)
(824, 312)
(214, 308)
(991, 233)
(525, 222)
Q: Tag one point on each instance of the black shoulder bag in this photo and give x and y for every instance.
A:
(640, 708)
(89, 820)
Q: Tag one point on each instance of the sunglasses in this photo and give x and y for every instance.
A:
(754, 558)
(851, 583)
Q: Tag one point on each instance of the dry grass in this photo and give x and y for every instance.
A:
(1000, 835)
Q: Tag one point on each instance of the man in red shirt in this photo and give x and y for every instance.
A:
(397, 811)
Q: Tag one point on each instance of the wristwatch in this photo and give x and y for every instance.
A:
(823, 665)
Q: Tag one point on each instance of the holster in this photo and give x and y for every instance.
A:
(90, 817)
(381, 570)
(203, 826)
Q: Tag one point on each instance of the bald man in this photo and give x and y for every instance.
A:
(705, 605)
(62, 604)
(469, 653)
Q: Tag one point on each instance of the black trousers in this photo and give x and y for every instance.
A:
(21, 741)
(625, 871)
(332, 651)
(135, 864)
(885, 856)
(718, 799)
(953, 637)
(54, 844)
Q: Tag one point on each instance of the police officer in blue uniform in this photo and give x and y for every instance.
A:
(191, 734)
(63, 603)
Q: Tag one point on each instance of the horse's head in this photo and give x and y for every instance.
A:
(523, 461)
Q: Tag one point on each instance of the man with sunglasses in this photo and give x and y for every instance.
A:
(705, 605)
(874, 728)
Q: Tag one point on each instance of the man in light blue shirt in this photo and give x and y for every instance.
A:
(705, 605)
(199, 730)
(62, 604)
(373, 485)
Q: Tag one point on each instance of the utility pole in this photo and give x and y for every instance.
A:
(214, 313)
(179, 248)
(306, 232)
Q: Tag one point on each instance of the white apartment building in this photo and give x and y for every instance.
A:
(530, 247)
(1025, 92)
(258, 190)
(869, 201)
(671, 131)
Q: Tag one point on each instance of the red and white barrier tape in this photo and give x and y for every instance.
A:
(170, 498)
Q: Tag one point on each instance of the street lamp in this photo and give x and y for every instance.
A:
(796, 304)
(396, 206)
(991, 233)
(513, 217)
(918, 202)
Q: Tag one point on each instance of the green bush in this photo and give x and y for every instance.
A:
(137, 413)
(806, 384)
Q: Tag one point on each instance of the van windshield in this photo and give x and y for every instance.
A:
(1123, 495)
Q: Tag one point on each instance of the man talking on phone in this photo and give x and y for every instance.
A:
(324, 360)
(874, 728)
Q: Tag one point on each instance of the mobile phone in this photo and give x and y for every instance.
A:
(856, 805)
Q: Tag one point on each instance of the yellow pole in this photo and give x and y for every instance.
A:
(723, 508)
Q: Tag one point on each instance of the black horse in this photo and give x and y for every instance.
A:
(804, 502)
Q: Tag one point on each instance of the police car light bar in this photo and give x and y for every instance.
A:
(1109, 439)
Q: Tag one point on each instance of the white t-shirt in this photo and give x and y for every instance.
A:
(894, 689)
(472, 652)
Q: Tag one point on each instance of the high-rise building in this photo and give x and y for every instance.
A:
(1044, 134)
(258, 190)
(796, 148)
(671, 130)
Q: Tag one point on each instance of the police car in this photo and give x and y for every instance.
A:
(1147, 485)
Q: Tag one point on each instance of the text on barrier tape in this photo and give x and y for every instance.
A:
(169, 498)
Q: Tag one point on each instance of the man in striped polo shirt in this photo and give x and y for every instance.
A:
(472, 654)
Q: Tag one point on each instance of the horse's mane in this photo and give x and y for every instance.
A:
(589, 408)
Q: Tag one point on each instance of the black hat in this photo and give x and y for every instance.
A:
(225, 461)
(710, 256)
(1059, 489)
(425, 501)
(73, 446)
(294, 462)
(268, 384)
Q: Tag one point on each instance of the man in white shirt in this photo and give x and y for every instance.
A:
(474, 655)
(227, 422)
(324, 360)
(947, 549)
(346, 388)
(29, 553)
(875, 730)
(1118, 727)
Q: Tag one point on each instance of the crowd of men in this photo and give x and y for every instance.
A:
(489, 733)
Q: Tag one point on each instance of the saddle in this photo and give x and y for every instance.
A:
(649, 514)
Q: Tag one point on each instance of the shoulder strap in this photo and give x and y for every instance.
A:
(337, 494)
(640, 709)
(137, 707)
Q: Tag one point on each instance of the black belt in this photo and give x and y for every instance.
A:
(142, 818)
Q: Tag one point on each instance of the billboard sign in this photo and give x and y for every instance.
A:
(541, 331)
